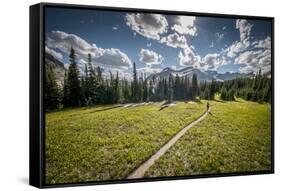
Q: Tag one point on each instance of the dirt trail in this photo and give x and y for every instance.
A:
(140, 171)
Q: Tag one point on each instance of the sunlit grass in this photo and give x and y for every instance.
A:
(235, 137)
(104, 143)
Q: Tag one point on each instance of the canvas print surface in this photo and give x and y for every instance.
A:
(131, 95)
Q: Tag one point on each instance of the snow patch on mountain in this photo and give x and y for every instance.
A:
(201, 75)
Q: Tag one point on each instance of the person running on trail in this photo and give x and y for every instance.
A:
(208, 106)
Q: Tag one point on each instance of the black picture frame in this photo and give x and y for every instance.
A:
(37, 114)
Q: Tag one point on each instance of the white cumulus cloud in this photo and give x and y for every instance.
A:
(150, 57)
(266, 43)
(254, 60)
(64, 41)
(185, 25)
(212, 61)
(147, 70)
(244, 28)
(106, 57)
(114, 58)
(174, 40)
(188, 58)
(148, 25)
(237, 47)
(251, 56)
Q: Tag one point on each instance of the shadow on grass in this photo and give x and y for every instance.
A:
(237, 100)
(167, 104)
(220, 101)
(73, 108)
(163, 107)
(105, 109)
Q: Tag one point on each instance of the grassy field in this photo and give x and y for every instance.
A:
(236, 137)
(107, 143)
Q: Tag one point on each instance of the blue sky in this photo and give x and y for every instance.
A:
(154, 41)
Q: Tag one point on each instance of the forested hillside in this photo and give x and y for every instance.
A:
(95, 88)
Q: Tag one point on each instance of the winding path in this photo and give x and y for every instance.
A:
(140, 171)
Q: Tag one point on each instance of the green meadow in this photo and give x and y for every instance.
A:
(109, 142)
(235, 137)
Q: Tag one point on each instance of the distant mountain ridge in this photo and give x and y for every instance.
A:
(59, 70)
(201, 75)
(57, 67)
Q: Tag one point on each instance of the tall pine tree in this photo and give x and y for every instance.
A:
(92, 83)
(65, 99)
(135, 85)
(73, 81)
(52, 90)
(194, 86)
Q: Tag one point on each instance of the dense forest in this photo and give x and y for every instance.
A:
(94, 88)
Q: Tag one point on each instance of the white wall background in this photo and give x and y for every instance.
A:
(14, 87)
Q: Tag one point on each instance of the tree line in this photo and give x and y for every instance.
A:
(256, 89)
(95, 88)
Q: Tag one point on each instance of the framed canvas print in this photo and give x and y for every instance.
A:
(122, 95)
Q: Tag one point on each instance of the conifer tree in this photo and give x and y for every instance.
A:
(145, 91)
(65, 99)
(116, 90)
(100, 91)
(170, 86)
(194, 86)
(223, 95)
(83, 101)
(126, 90)
(74, 93)
(92, 83)
(52, 90)
(135, 91)
(212, 90)
(177, 88)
